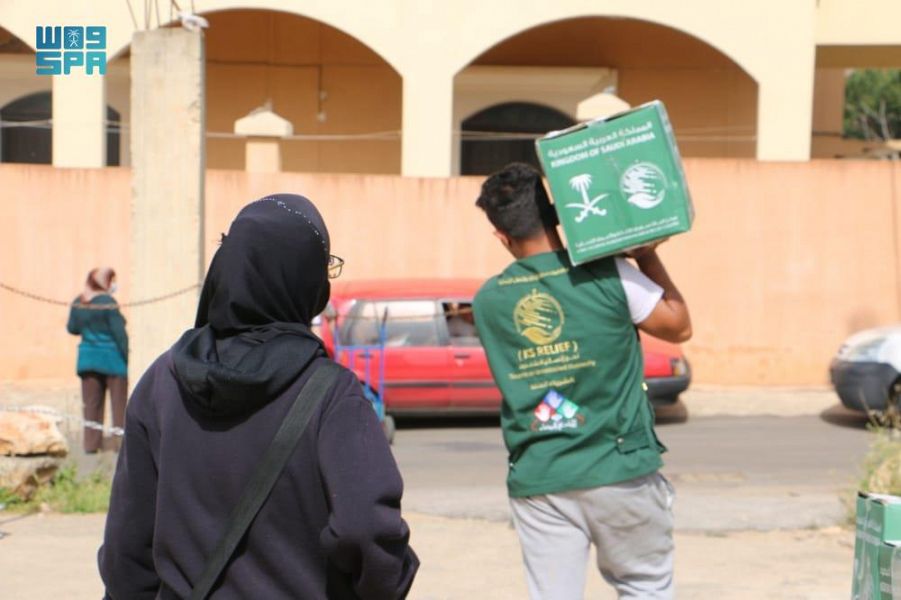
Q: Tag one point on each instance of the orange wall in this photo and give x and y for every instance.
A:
(382, 226)
(55, 226)
(785, 260)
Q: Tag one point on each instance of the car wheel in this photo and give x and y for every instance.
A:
(664, 401)
(890, 416)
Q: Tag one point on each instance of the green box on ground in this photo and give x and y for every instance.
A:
(890, 570)
(617, 182)
(877, 548)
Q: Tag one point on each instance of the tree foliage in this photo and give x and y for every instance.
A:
(873, 104)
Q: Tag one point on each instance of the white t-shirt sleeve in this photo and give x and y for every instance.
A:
(642, 294)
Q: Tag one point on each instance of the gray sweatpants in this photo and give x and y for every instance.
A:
(629, 523)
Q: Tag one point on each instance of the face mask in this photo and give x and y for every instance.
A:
(113, 288)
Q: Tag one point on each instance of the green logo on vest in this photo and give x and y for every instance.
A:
(556, 413)
(539, 317)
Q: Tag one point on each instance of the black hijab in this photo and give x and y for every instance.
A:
(267, 281)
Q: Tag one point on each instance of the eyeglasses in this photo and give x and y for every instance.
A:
(335, 265)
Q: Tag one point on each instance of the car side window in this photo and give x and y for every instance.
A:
(461, 326)
(409, 323)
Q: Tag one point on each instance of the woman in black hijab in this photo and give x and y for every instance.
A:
(205, 412)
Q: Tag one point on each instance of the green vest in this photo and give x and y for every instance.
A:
(567, 359)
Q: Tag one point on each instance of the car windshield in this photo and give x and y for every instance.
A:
(408, 323)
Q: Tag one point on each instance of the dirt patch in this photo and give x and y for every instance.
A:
(478, 559)
(53, 556)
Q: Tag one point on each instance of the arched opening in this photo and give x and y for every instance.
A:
(23, 98)
(342, 98)
(481, 156)
(325, 82)
(711, 100)
(838, 100)
(27, 134)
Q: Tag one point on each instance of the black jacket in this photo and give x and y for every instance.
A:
(331, 528)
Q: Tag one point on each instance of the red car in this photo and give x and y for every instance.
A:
(434, 362)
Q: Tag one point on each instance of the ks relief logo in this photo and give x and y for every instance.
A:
(538, 317)
(60, 50)
(556, 413)
(643, 184)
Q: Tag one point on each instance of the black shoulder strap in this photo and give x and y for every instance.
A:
(265, 476)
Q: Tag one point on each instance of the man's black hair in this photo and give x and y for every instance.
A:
(516, 203)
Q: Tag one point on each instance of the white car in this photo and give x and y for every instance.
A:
(866, 372)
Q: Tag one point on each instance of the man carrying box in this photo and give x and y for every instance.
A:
(563, 349)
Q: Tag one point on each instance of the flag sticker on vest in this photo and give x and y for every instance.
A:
(556, 413)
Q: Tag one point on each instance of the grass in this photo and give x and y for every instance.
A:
(66, 493)
(880, 470)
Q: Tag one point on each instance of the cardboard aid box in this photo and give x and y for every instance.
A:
(877, 548)
(617, 182)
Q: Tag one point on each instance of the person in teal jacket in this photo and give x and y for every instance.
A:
(102, 354)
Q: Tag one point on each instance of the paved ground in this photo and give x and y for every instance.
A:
(731, 473)
(758, 474)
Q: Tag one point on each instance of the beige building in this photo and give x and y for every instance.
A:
(402, 95)
(424, 88)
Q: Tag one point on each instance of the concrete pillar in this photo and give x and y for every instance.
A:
(167, 150)
(600, 105)
(427, 137)
(79, 120)
(829, 101)
(785, 113)
(262, 155)
(264, 129)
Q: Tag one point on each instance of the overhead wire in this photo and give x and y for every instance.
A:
(131, 11)
(389, 135)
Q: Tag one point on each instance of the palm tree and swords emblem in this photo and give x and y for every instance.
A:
(74, 36)
(581, 183)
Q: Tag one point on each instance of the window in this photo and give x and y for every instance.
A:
(461, 326)
(26, 144)
(409, 323)
(34, 144)
(113, 127)
(481, 157)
